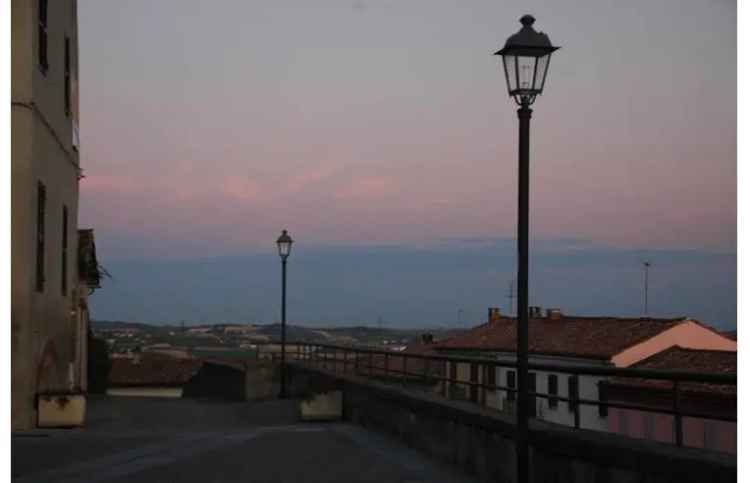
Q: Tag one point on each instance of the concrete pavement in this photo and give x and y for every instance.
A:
(182, 440)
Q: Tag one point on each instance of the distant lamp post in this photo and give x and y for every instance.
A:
(284, 242)
(525, 59)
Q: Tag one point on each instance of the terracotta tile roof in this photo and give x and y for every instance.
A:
(588, 337)
(152, 370)
(678, 358)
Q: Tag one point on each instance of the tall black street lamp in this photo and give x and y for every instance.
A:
(284, 243)
(525, 59)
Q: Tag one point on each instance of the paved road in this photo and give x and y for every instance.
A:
(158, 440)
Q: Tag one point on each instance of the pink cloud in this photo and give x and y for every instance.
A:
(241, 189)
(108, 184)
(366, 187)
(303, 181)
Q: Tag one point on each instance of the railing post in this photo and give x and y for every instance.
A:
(677, 415)
(577, 405)
(473, 382)
(445, 385)
(403, 370)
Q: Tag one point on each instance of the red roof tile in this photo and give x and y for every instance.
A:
(589, 337)
(678, 358)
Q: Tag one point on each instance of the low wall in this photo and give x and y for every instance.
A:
(481, 441)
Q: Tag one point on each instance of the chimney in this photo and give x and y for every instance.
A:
(554, 314)
(493, 315)
(535, 312)
(427, 339)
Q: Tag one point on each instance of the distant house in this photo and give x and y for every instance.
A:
(567, 341)
(239, 329)
(695, 398)
(156, 375)
(151, 375)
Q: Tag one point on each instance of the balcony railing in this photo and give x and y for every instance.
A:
(439, 374)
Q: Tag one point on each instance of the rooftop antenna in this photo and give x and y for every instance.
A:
(646, 265)
(511, 297)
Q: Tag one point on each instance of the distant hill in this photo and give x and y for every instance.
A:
(118, 324)
(354, 334)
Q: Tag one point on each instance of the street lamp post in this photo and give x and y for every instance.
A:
(284, 242)
(525, 58)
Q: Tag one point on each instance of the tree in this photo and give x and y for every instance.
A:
(99, 364)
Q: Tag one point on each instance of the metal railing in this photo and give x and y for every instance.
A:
(439, 373)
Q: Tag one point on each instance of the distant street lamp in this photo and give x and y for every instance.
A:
(525, 60)
(284, 243)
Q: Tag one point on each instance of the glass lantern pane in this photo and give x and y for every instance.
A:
(526, 72)
(541, 72)
(509, 62)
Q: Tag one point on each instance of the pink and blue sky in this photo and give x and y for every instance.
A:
(207, 127)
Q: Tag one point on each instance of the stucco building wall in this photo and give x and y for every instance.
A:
(44, 327)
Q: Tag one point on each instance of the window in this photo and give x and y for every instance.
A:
(64, 284)
(41, 201)
(452, 378)
(42, 6)
(510, 382)
(572, 393)
(491, 377)
(474, 379)
(67, 77)
(603, 408)
(552, 390)
(532, 397)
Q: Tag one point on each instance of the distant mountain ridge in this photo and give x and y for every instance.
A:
(294, 332)
(119, 324)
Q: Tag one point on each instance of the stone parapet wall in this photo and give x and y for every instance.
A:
(481, 441)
